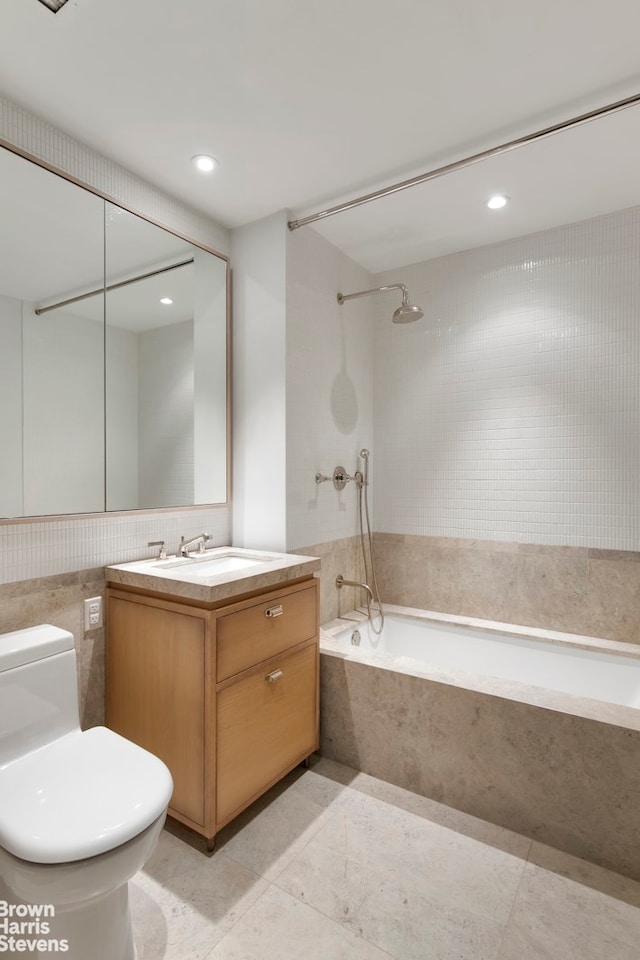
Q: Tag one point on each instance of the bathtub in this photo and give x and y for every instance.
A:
(534, 730)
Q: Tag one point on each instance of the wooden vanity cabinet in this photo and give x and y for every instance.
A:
(226, 695)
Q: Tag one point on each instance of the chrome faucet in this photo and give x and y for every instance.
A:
(189, 545)
(341, 582)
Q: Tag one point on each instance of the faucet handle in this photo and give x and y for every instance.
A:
(203, 542)
(159, 543)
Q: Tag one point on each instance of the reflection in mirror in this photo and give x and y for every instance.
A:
(166, 368)
(110, 398)
(51, 364)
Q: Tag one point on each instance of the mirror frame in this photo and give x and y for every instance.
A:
(45, 165)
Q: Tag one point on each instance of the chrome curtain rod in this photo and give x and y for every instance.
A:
(468, 161)
(112, 286)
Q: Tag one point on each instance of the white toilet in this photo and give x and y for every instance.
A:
(80, 813)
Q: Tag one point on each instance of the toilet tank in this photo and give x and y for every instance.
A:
(38, 689)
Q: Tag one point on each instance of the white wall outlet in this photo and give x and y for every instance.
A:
(92, 613)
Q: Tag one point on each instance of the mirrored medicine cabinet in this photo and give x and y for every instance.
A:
(113, 355)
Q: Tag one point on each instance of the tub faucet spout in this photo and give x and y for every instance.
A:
(341, 582)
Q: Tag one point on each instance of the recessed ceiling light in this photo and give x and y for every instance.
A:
(166, 300)
(497, 202)
(204, 163)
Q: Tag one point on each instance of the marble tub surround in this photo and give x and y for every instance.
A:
(338, 556)
(580, 590)
(565, 779)
(627, 717)
(304, 873)
(176, 578)
(59, 600)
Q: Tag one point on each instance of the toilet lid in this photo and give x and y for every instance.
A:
(80, 796)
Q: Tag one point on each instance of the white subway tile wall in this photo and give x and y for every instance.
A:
(44, 548)
(512, 411)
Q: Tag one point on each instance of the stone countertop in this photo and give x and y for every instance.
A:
(180, 578)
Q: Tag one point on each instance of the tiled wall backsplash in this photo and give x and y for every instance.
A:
(44, 548)
(511, 412)
(581, 590)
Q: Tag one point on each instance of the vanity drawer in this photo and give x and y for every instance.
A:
(266, 723)
(265, 629)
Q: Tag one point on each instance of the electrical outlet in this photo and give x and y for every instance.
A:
(92, 613)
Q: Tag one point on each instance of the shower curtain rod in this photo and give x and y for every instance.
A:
(112, 286)
(468, 161)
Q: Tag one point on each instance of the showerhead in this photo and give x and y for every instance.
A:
(404, 314)
(407, 311)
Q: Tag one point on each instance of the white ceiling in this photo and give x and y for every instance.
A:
(306, 104)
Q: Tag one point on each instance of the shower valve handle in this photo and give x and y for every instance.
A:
(340, 478)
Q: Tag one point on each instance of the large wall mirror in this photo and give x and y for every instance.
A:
(113, 355)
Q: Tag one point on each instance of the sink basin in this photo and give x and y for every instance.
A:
(206, 566)
(203, 568)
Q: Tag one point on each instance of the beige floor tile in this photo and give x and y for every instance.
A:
(410, 886)
(463, 823)
(279, 926)
(178, 850)
(392, 911)
(325, 782)
(268, 835)
(185, 915)
(568, 909)
(365, 870)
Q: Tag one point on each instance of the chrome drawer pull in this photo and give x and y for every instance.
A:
(273, 676)
(276, 611)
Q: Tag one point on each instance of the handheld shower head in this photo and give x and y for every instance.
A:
(404, 314)
(364, 455)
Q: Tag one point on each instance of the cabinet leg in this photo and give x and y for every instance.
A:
(306, 763)
(211, 842)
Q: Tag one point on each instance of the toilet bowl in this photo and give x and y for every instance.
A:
(80, 812)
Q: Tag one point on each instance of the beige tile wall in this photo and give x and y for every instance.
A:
(580, 590)
(337, 556)
(58, 600)
(564, 780)
(574, 589)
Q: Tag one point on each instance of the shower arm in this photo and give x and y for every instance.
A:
(342, 297)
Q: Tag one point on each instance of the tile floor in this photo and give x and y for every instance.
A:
(335, 865)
